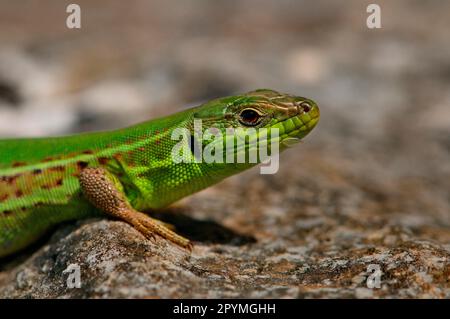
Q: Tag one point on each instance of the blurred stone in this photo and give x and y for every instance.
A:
(307, 66)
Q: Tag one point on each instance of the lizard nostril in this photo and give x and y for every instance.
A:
(306, 107)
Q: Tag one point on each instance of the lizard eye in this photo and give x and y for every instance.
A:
(249, 117)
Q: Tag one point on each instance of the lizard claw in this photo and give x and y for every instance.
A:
(189, 246)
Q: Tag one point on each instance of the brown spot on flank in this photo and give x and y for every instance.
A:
(103, 160)
(131, 164)
(54, 184)
(118, 157)
(88, 152)
(142, 175)
(9, 179)
(48, 159)
(82, 164)
(3, 197)
(19, 193)
(7, 212)
(142, 148)
(18, 164)
(59, 168)
(37, 171)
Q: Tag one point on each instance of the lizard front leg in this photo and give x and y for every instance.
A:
(105, 192)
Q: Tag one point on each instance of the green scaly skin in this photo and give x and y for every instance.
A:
(39, 177)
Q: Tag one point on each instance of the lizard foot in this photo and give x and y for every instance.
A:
(105, 192)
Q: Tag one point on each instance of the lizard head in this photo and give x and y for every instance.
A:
(293, 116)
(207, 153)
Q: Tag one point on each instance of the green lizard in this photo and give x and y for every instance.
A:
(46, 181)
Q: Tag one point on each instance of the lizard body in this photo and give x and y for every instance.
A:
(46, 181)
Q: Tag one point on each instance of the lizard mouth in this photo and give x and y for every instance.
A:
(293, 129)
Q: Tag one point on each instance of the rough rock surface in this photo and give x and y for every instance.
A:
(370, 187)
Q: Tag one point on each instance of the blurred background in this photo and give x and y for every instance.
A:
(376, 166)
